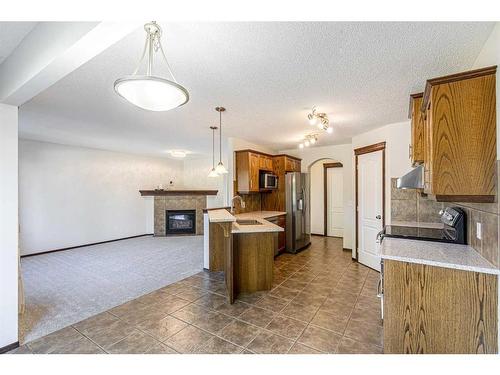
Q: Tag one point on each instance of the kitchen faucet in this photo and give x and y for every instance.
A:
(232, 202)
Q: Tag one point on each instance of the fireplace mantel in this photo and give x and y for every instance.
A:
(160, 193)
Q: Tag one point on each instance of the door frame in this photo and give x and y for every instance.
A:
(325, 192)
(361, 151)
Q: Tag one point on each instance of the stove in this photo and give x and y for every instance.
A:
(453, 230)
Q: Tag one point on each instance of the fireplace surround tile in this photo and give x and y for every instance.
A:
(183, 202)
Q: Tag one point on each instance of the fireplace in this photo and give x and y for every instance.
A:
(180, 222)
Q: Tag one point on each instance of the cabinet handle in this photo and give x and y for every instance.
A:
(409, 151)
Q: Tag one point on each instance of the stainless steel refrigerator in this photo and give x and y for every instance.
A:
(298, 233)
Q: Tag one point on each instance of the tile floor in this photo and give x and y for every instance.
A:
(321, 302)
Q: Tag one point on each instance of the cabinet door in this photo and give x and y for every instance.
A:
(427, 150)
(297, 165)
(254, 163)
(269, 163)
(289, 165)
(417, 132)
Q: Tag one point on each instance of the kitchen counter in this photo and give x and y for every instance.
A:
(447, 255)
(224, 216)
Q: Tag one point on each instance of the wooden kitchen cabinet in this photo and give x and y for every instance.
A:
(416, 151)
(247, 171)
(292, 164)
(459, 120)
(250, 163)
(266, 163)
(431, 310)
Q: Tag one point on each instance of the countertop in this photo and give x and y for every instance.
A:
(447, 255)
(224, 216)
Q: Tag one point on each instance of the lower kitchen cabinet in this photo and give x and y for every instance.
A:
(430, 309)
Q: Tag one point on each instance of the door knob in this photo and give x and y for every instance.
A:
(378, 217)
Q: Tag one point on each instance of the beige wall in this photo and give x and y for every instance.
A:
(338, 153)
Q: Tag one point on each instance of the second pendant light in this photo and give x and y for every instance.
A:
(213, 172)
(220, 169)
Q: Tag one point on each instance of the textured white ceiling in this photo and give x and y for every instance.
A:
(267, 75)
(11, 34)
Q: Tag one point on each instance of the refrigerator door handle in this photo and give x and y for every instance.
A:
(300, 204)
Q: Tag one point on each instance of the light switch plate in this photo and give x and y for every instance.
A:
(479, 233)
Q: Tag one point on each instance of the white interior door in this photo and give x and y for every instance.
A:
(370, 210)
(335, 202)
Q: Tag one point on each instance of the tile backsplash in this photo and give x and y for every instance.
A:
(410, 206)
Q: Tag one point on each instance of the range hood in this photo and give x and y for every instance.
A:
(413, 179)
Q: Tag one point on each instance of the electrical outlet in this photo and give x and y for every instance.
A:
(479, 233)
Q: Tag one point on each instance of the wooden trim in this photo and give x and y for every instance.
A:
(371, 148)
(8, 348)
(466, 198)
(266, 154)
(346, 249)
(325, 193)
(374, 148)
(155, 193)
(454, 78)
(89, 244)
(412, 98)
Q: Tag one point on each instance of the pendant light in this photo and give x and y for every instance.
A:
(213, 172)
(148, 91)
(220, 167)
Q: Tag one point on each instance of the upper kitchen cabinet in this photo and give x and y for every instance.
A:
(291, 164)
(460, 136)
(250, 163)
(416, 151)
(247, 171)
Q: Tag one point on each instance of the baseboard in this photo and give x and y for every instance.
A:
(346, 249)
(316, 234)
(9, 347)
(89, 244)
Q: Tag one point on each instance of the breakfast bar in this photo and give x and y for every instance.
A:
(243, 246)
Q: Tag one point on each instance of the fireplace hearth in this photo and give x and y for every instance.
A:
(180, 222)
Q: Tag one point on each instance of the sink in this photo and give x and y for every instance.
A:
(248, 222)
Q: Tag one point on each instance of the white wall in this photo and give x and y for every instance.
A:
(8, 225)
(342, 154)
(397, 161)
(195, 175)
(71, 196)
(317, 196)
(490, 55)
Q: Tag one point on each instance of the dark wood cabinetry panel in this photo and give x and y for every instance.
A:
(249, 163)
(417, 129)
(429, 310)
(253, 259)
(460, 136)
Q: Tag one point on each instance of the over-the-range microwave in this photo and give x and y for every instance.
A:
(268, 181)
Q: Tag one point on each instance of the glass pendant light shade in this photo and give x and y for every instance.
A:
(220, 169)
(148, 91)
(213, 173)
(151, 93)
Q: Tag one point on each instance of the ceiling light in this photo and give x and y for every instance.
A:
(320, 119)
(220, 167)
(178, 153)
(148, 91)
(213, 172)
(301, 145)
(329, 130)
(306, 143)
(312, 140)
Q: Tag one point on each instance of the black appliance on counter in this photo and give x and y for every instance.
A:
(453, 230)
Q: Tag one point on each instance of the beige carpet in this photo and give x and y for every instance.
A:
(65, 287)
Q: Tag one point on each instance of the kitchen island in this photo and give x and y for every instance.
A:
(243, 247)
